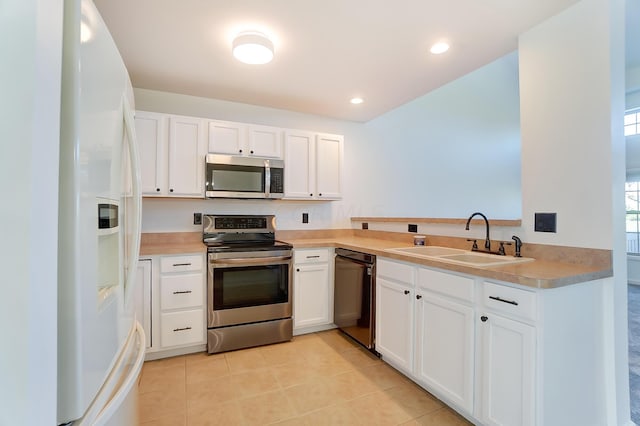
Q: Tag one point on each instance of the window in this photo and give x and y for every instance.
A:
(632, 201)
(632, 123)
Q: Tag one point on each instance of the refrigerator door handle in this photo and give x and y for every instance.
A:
(104, 406)
(134, 251)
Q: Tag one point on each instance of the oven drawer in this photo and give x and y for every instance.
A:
(182, 328)
(181, 291)
(181, 263)
(310, 256)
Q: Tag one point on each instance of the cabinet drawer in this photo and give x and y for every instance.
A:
(447, 284)
(395, 271)
(181, 291)
(511, 301)
(182, 328)
(310, 256)
(186, 263)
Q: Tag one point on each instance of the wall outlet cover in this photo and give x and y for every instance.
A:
(197, 218)
(365, 225)
(305, 217)
(413, 228)
(545, 222)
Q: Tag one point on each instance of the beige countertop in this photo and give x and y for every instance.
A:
(536, 274)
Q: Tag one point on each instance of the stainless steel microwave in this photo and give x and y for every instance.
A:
(230, 176)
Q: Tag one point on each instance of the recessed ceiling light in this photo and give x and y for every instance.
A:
(439, 48)
(253, 48)
(356, 101)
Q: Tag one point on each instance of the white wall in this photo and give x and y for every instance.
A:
(446, 154)
(451, 152)
(572, 101)
(30, 48)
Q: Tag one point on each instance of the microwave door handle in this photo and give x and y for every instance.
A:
(267, 178)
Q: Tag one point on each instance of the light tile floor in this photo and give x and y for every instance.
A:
(316, 379)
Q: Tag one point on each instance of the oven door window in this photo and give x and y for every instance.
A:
(250, 286)
(223, 177)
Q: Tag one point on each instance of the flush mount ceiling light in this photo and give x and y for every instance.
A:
(253, 48)
(356, 101)
(439, 48)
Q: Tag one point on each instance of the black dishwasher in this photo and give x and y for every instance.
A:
(354, 295)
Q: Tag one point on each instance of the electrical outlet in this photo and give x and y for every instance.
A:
(365, 225)
(305, 217)
(197, 218)
(413, 228)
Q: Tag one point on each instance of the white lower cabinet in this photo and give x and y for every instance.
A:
(507, 351)
(178, 304)
(394, 321)
(445, 336)
(312, 290)
(508, 371)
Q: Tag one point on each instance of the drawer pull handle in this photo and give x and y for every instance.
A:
(500, 299)
(182, 264)
(484, 318)
(313, 257)
(182, 292)
(182, 329)
(407, 292)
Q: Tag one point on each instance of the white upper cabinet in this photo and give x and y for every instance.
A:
(151, 132)
(265, 141)
(171, 155)
(313, 165)
(329, 166)
(186, 157)
(299, 174)
(226, 137)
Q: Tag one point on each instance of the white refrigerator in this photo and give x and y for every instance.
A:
(100, 342)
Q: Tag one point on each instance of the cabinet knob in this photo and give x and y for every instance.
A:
(297, 269)
(311, 195)
(171, 190)
(251, 151)
(407, 292)
(484, 318)
(320, 194)
(240, 151)
(157, 189)
(418, 296)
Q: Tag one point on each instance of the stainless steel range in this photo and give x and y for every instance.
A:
(248, 283)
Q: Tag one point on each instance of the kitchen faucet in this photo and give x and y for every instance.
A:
(487, 242)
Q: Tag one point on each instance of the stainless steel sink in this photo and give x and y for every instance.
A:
(459, 256)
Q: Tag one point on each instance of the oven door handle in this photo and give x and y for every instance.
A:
(251, 261)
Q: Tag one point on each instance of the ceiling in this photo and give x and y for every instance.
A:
(326, 52)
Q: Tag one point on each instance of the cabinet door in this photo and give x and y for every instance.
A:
(186, 158)
(394, 323)
(329, 166)
(299, 163)
(311, 295)
(445, 347)
(143, 298)
(508, 371)
(265, 141)
(226, 137)
(151, 136)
